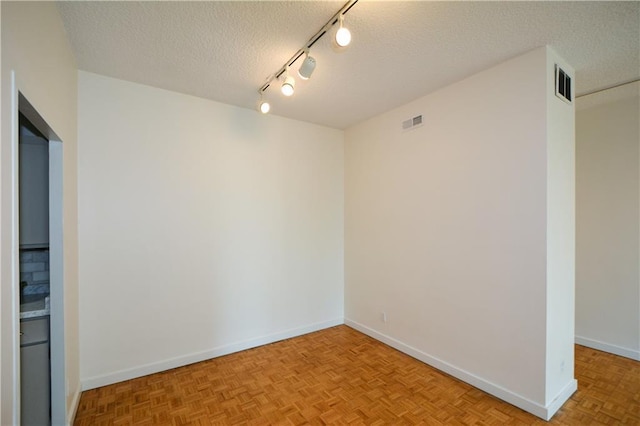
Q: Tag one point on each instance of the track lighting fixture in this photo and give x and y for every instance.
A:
(341, 39)
(264, 107)
(343, 35)
(307, 67)
(288, 85)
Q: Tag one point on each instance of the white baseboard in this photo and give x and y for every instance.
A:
(156, 367)
(544, 412)
(608, 347)
(71, 415)
(561, 398)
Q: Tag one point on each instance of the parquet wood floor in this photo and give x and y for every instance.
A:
(340, 376)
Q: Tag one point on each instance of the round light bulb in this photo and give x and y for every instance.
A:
(264, 107)
(343, 37)
(287, 86)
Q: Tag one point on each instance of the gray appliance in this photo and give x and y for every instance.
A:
(35, 387)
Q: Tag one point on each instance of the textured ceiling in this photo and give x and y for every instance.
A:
(225, 51)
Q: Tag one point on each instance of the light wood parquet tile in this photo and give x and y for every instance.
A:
(340, 376)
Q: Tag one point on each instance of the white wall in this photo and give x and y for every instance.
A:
(35, 47)
(608, 224)
(204, 228)
(446, 232)
(561, 225)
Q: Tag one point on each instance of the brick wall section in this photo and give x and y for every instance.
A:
(34, 271)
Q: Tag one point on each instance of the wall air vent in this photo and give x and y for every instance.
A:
(412, 122)
(563, 85)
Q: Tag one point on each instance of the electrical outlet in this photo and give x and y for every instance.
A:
(562, 366)
(383, 316)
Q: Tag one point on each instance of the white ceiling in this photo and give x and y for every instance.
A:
(225, 51)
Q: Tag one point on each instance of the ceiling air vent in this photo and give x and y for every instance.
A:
(563, 85)
(412, 122)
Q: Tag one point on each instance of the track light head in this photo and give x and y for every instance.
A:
(264, 107)
(307, 67)
(288, 86)
(343, 35)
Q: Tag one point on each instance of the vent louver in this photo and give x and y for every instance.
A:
(412, 122)
(563, 85)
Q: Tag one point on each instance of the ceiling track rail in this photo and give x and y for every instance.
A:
(317, 36)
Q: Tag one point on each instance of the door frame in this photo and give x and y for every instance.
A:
(20, 104)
